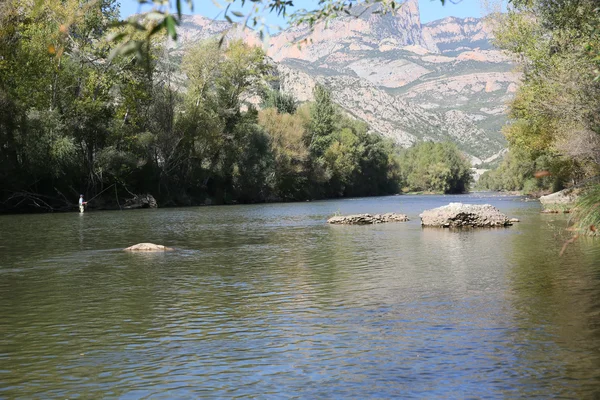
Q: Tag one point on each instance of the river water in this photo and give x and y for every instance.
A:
(268, 301)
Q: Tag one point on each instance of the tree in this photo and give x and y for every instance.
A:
(435, 167)
(226, 143)
(322, 121)
(289, 175)
(284, 103)
(555, 115)
(75, 120)
(555, 112)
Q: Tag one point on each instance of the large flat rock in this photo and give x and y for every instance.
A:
(367, 219)
(456, 215)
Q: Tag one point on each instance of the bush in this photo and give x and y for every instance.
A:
(283, 103)
(518, 172)
(587, 210)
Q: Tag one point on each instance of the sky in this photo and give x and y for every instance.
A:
(430, 9)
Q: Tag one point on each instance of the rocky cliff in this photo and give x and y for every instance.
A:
(410, 81)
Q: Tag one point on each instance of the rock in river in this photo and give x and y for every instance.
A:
(367, 219)
(148, 247)
(562, 201)
(469, 215)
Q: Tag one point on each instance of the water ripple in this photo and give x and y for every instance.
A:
(268, 301)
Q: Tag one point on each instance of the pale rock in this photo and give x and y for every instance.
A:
(367, 219)
(456, 215)
(563, 198)
(148, 247)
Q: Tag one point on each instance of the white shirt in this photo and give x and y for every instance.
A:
(81, 201)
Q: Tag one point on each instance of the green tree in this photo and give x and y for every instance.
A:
(284, 103)
(323, 114)
(288, 178)
(555, 114)
(435, 167)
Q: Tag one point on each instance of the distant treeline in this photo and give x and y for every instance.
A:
(75, 120)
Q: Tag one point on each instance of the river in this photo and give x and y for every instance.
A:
(268, 301)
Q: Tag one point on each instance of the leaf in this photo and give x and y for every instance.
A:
(178, 4)
(237, 14)
(125, 49)
(157, 29)
(134, 24)
(116, 37)
(170, 24)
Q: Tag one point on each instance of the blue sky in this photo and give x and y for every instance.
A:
(430, 9)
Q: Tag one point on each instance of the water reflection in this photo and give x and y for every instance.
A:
(268, 301)
(560, 297)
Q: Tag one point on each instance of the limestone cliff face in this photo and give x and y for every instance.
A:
(458, 34)
(370, 31)
(437, 81)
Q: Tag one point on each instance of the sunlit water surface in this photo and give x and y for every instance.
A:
(268, 301)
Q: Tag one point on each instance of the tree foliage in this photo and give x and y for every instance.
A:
(435, 167)
(517, 172)
(555, 112)
(283, 102)
(82, 122)
(554, 133)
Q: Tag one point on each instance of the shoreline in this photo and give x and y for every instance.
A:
(171, 206)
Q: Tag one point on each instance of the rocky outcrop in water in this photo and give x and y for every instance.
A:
(148, 247)
(367, 219)
(456, 215)
(141, 201)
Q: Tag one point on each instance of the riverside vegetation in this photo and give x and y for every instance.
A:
(75, 118)
(554, 134)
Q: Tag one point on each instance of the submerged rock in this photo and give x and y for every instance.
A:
(554, 210)
(367, 219)
(141, 201)
(468, 215)
(148, 247)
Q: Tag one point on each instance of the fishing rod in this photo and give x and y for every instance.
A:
(101, 192)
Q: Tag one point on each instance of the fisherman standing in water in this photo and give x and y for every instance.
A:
(81, 203)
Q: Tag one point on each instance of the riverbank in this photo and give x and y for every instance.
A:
(108, 203)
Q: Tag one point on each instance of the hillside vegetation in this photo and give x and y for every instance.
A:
(554, 134)
(73, 120)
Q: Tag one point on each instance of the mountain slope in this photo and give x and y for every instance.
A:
(437, 81)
